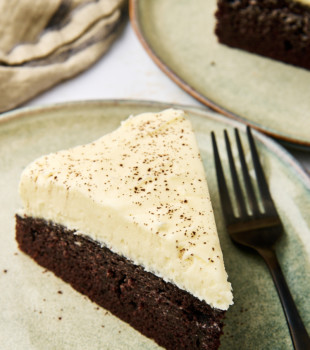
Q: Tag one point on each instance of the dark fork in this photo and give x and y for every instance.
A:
(256, 229)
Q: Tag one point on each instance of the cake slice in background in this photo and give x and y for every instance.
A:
(127, 220)
(278, 29)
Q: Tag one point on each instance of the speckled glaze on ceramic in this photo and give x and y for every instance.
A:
(271, 96)
(39, 311)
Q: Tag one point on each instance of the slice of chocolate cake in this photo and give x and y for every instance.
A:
(278, 29)
(127, 220)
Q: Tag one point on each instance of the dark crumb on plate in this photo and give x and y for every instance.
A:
(5, 271)
(59, 292)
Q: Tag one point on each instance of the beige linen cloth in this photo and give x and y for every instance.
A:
(45, 42)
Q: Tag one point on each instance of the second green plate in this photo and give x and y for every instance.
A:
(271, 96)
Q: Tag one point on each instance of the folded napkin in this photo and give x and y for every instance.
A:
(45, 42)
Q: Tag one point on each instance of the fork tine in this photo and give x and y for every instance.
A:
(246, 176)
(224, 195)
(234, 176)
(261, 179)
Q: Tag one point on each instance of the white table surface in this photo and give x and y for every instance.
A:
(126, 72)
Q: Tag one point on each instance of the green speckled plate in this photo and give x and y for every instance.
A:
(39, 311)
(271, 96)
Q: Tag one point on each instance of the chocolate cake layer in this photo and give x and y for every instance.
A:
(279, 29)
(172, 317)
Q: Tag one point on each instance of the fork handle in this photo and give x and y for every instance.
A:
(300, 337)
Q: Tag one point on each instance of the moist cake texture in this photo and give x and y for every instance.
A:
(159, 310)
(278, 29)
(137, 202)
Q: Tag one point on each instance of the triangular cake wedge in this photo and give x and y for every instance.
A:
(128, 221)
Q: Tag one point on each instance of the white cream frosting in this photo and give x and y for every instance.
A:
(141, 191)
(306, 2)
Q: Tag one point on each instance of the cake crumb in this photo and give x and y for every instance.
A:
(60, 292)
(5, 271)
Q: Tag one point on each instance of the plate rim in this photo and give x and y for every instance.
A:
(137, 27)
(277, 149)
